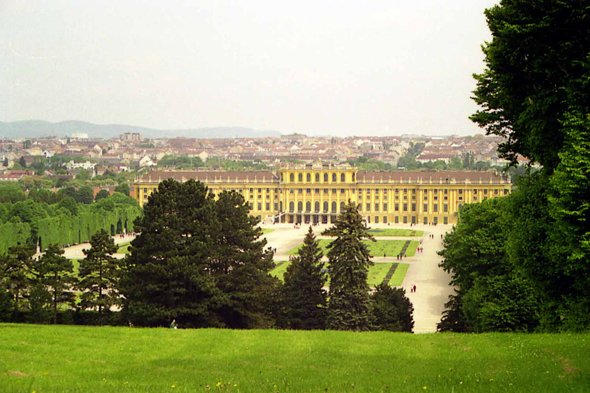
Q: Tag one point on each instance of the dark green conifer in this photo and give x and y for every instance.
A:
(304, 294)
(349, 307)
(99, 274)
(57, 276)
(392, 310)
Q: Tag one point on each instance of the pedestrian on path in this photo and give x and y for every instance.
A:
(414, 288)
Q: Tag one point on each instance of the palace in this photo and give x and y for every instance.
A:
(317, 193)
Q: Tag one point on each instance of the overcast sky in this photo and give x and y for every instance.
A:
(316, 67)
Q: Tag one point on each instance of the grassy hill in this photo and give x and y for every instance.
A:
(114, 359)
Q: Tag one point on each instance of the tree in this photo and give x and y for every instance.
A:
(166, 273)
(85, 195)
(241, 265)
(101, 195)
(199, 261)
(69, 204)
(535, 68)
(123, 188)
(392, 310)
(22, 162)
(83, 175)
(99, 274)
(57, 276)
(304, 296)
(349, 307)
(492, 295)
(5, 163)
(13, 271)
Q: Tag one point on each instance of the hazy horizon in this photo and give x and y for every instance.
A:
(322, 68)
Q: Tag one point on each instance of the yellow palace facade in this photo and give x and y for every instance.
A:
(316, 194)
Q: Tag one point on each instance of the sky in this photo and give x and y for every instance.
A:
(341, 68)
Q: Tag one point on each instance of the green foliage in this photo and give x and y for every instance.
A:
(84, 195)
(535, 71)
(180, 162)
(123, 188)
(65, 222)
(57, 276)
(11, 193)
(392, 310)
(198, 260)
(99, 274)
(13, 272)
(492, 293)
(350, 306)
(304, 297)
(370, 164)
(185, 162)
(101, 195)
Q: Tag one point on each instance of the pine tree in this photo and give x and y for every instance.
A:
(392, 310)
(168, 271)
(14, 268)
(57, 272)
(99, 274)
(304, 294)
(349, 307)
(241, 265)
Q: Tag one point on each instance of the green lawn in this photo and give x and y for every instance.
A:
(123, 248)
(266, 231)
(377, 232)
(376, 276)
(391, 248)
(108, 359)
(400, 273)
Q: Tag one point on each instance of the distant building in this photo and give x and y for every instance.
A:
(131, 137)
(317, 194)
(80, 135)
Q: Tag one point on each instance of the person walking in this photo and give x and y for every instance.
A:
(414, 288)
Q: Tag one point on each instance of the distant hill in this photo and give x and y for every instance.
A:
(40, 128)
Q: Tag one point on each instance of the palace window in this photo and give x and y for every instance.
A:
(260, 206)
(334, 207)
(309, 177)
(376, 207)
(385, 207)
(342, 205)
(300, 177)
(325, 207)
(308, 206)
(426, 208)
(342, 177)
(368, 207)
(317, 177)
(325, 177)
(445, 208)
(405, 207)
(333, 177)
(317, 207)
(435, 207)
(299, 206)
(291, 178)
(397, 207)
(291, 206)
(413, 207)
(268, 206)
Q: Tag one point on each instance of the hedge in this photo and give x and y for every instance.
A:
(67, 229)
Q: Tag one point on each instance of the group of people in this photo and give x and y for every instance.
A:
(413, 288)
(400, 256)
